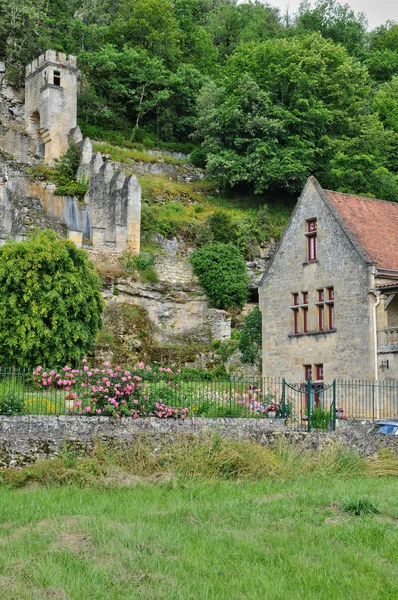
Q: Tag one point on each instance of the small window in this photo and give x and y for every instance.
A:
(57, 78)
(319, 372)
(311, 240)
(295, 309)
(307, 371)
(305, 298)
(330, 305)
(321, 310)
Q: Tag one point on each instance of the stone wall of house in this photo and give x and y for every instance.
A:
(347, 352)
(26, 439)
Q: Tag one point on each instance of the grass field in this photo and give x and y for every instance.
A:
(152, 530)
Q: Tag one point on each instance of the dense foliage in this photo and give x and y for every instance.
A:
(222, 274)
(270, 98)
(64, 173)
(250, 341)
(50, 301)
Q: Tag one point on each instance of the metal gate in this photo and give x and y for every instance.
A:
(310, 404)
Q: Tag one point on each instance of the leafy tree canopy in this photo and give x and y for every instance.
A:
(271, 98)
(50, 302)
(282, 102)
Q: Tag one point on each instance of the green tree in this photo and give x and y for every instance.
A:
(335, 21)
(361, 164)
(250, 341)
(127, 81)
(222, 274)
(150, 25)
(271, 123)
(50, 302)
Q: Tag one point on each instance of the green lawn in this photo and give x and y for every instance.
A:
(186, 539)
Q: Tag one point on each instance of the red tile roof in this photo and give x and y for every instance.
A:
(383, 286)
(374, 223)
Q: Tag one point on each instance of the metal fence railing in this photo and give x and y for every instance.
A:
(362, 399)
(164, 394)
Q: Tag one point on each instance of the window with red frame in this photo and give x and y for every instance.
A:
(311, 240)
(295, 309)
(319, 372)
(321, 309)
(304, 309)
(330, 305)
(307, 371)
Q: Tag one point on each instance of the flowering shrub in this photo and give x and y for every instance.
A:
(107, 391)
(340, 413)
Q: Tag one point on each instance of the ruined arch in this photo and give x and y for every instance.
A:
(34, 127)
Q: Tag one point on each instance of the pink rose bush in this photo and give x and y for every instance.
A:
(109, 391)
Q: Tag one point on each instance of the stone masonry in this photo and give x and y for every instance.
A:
(23, 440)
(51, 102)
(344, 352)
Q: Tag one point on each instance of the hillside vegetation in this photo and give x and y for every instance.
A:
(261, 99)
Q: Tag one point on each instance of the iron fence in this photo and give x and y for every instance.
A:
(303, 405)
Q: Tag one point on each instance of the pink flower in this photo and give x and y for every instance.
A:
(98, 411)
(85, 368)
(84, 360)
(106, 364)
(88, 409)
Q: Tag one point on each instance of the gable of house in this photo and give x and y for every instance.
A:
(339, 270)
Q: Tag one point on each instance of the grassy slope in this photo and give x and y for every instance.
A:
(177, 207)
(199, 540)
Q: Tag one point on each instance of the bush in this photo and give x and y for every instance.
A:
(320, 419)
(50, 301)
(143, 263)
(198, 158)
(64, 173)
(251, 338)
(222, 227)
(222, 274)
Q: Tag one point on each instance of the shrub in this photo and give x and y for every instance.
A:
(320, 419)
(50, 301)
(222, 274)
(198, 158)
(64, 173)
(222, 227)
(251, 337)
(110, 392)
(143, 263)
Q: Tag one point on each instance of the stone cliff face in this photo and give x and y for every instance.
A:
(169, 319)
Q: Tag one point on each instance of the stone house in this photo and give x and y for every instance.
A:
(329, 295)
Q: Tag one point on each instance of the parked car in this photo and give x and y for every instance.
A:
(387, 427)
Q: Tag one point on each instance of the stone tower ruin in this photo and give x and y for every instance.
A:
(51, 102)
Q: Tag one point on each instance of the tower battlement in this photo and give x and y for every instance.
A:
(51, 56)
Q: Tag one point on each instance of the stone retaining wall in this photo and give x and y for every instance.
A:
(25, 439)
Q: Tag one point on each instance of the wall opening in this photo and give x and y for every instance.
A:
(57, 78)
(253, 296)
(34, 127)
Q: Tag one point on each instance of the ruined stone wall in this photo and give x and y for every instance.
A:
(23, 440)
